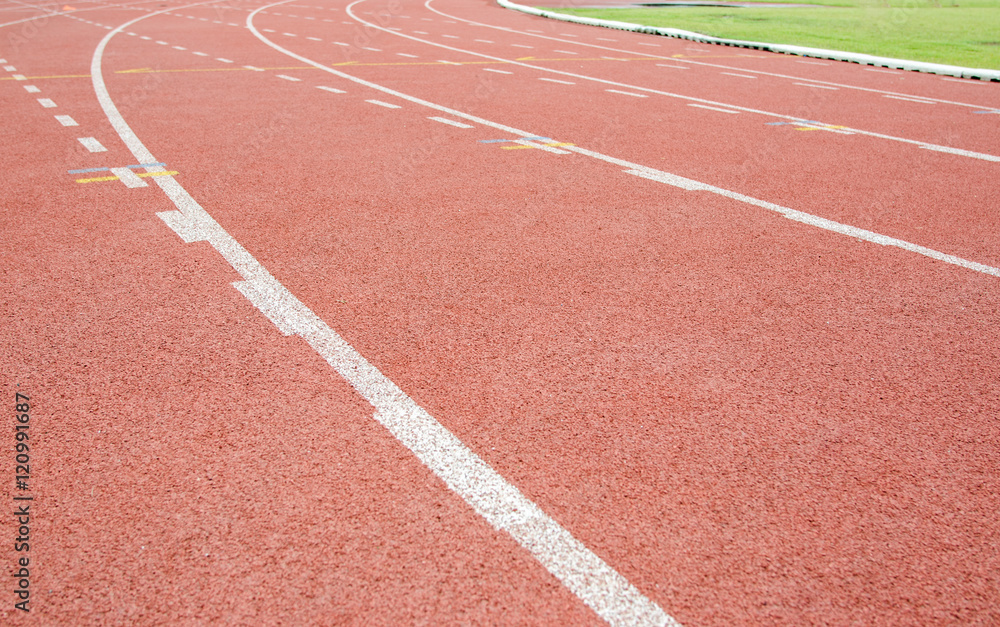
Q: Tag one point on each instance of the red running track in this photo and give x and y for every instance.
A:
(718, 346)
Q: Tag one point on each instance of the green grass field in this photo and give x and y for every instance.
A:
(956, 32)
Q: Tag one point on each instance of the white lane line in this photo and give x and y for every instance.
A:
(408, 56)
(19, 77)
(626, 93)
(533, 144)
(451, 122)
(915, 142)
(31, 89)
(420, 32)
(449, 36)
(605, 39)
(289, 34)
(223, 60)
(47, 103)
(643, 43)
(162, 43)
(384, 104)
(805, 218)
(178, 47)
(532, 30)
(91, 144)
(563, 52)
(701, 106)
(200, 54)
(340, 43)
(66, 120)
(9, 68)
(521, 46)
(812, 63)
(332, 90)
(269, 30)
(372, 49)
(483, 41)
(145, 37)
(555, 80)
(871, 69)
(489, 69)
(448, 62)
(254, 68)
(567, 35)
(675, 67)
(817, 86)
(964, 80)
(737, 75)
(288, 78)
(908, 99)
(314, 39)
(585, 574)
(127, 176)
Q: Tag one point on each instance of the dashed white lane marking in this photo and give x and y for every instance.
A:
(178, 47)
(332, 90)
(871, 69)
(450, 36)
(223, 60)
(483, 41)
(47, 103)
(289, 34)
(564, 52)
(269, 30)
(9, 68)
(964, 80)
(145, 37)
(254, 68)
(675, 67)
(489, 69)
(384, 104)
(532, 30)
(533, 144)
(314, 39)
(408, 56)
(31, 89)
(567, 35)
(521, 46)
(66, 120)
(605, 39)
(626, 93)
(288, 78)
(372, 49)
(448, 62)
(555, 80)
(812, 63)
(816, 86)
(908, 99)
(19, 77)
(127, 176)
(643, 43)
(420, 32)
(451, 122)
(162, 43)
(701, 106)
(340, 43)
(737, 75)
(200, 54)
(91, 144)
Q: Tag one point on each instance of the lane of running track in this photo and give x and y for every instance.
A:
(749, 418)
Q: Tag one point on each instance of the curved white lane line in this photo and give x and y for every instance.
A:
(782, 116)
(493, 497)
(716, 65)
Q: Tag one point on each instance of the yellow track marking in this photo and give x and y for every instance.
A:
(115, 178)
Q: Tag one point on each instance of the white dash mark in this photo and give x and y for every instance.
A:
(563, 52)
(908, 99)
(332, 90)
(451, 122)
(627, 93)
(162, 43)
(340, 43)
(408, 56)
(65, 120)
(10, 68)
(178, 47)
(605, 39)
(31, 89)
(289, 34)
(448, 62)
(91, 144)
(737, 75)
(484, 41)
(489, 69)
(450, 36)
(314, 39)
(812, 63)
(555, 80)
(220, 59)
(254, 68)
(372, 49)
(701, 106)
(45, 102)
(521, 46)
(19, 77)
(384, 104)
(288, 78)
(200, 54)
(643, 43)
(675, 67)
(816, 86)
(127, 176)
(871, 69)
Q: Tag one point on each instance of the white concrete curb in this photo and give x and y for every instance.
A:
(802, 51)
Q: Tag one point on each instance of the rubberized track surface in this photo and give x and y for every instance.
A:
(534, 323)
